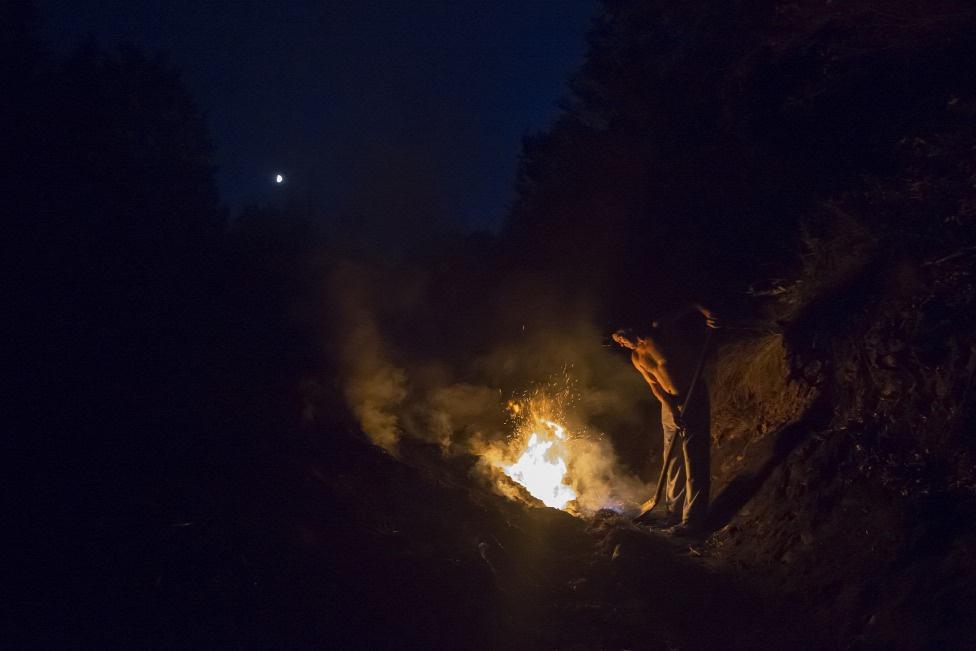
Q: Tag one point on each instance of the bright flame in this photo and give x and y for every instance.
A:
(558, 458)
(541, 468)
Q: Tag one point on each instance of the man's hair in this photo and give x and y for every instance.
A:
(628, 332)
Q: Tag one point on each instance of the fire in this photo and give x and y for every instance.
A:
(557, 458)
(541, 468)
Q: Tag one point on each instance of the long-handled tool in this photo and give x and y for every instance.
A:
(649, 505)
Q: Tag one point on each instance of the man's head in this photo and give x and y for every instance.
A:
(626, 338)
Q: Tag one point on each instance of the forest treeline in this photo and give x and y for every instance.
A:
(144, 337)
(697, 149)
(699, 135)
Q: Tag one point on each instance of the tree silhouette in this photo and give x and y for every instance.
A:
(699, 133)
(111, 233)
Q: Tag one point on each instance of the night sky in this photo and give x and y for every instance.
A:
(371, 109)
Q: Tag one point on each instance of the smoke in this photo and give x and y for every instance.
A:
(453, 388)
(374, 392)
(461, 416)
(596, 476)
(374, 388)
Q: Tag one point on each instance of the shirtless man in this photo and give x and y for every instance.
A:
(669, 368)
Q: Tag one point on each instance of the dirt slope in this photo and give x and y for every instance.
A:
(357, 549)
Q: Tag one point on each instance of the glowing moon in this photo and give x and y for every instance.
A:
(279, 178)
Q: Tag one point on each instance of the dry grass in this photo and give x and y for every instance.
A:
(751, 392)
(835, 246)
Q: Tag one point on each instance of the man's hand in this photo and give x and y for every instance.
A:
(668, 400)
(679, 418)
(710, 320)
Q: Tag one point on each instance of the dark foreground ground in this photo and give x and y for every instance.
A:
(351, 548)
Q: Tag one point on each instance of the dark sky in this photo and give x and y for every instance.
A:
(374, 109)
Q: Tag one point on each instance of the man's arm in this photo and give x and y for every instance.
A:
(661, 368)
(665, 379)
(668, 399)
(654, 380)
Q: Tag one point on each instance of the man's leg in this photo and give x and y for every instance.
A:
(698, 476)
(674, 486)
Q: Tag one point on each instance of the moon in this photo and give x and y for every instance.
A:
(279, 178)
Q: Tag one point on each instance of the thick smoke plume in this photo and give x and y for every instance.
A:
(374, 389)
(456, 392)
